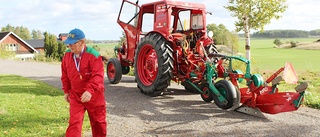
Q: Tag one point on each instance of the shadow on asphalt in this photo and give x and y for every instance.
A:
(127, 96)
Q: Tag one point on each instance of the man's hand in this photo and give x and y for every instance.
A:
(66, 97)
(86, 96)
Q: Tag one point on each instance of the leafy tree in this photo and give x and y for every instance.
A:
(232, 42)
(36, 34)
(277, 42)
(254, 14)
(47, 45)
(122, 39)
(54, 46)
(61, 49)
(22, 32)
(315, 32)
(222, 36)
(51, 47)
(281, 34)
(7, 28)
(293, 44)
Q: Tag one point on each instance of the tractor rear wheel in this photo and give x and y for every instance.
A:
(207, 93)
(114, 71)
(227, 90)
(153, 64)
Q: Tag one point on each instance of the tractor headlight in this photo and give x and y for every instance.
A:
(210, 34)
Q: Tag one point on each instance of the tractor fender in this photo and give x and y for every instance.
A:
(164, 35)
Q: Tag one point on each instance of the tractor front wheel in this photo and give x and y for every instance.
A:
(114, 71)
(153, 64)
(125, 70)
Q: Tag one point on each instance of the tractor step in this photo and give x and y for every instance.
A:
(250, 111)
(302, 87)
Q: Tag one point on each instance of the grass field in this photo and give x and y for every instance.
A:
(265, 57)
(31, 108)
(105, 49)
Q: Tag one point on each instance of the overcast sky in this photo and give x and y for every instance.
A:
(98, 18)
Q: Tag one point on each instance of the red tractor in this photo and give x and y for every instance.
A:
(165, 40)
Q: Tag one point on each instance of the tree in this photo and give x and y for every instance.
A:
(254, 14)
(51, 46)
(315, 32)
(277, 42)
(61, 49)
(36, 34)
(7, 28)
(122, 39)
(47, 46)
(22, 32)
(222, 36)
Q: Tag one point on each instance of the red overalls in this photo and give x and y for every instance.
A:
(90, 77)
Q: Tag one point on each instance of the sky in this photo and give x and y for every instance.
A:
(98, 18)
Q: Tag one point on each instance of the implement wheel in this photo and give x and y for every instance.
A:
(207, 93)
(153, 64)
(227, 90)
(114, 71)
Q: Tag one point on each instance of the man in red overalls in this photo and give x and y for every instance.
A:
(83, 84)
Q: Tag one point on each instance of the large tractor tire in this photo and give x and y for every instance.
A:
(228, 91)
(153, 64)
(114, 70)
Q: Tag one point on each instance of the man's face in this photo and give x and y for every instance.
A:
(77, 47)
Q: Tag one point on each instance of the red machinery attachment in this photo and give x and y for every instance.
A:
(258, 96)
(268, 99)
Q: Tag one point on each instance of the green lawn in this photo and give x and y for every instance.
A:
(265, 57)
(105, 49)
(31, 108)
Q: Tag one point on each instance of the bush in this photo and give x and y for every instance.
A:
(293, 44)
(277, 42)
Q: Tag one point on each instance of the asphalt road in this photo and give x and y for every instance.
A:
(176, 113)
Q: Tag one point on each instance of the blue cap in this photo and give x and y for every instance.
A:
(74, 36)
